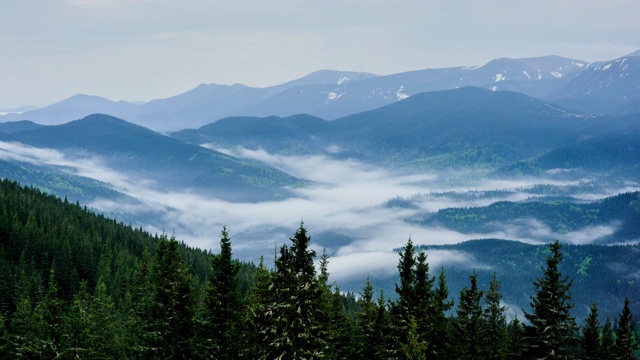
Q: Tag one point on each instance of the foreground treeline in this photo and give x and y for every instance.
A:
(77, 285)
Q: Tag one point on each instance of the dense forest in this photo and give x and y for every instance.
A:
(75, 284)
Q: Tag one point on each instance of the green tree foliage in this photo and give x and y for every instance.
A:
(91, 329)
(591, 335)
(550, 334)
(292, 326)
(5, 349)
(441, 334)
(77, 285)
(494, 333)
(515, 340)
(469, 323)
(172, 306)
(625, 346)
(220, 324)
(608, 341)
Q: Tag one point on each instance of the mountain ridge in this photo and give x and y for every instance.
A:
(332, 94)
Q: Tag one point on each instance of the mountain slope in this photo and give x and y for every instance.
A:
(171, 163)
(534, 76)
(611, 87)
(442, 129)
(543, 220)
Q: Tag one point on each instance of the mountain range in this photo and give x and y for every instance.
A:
(608, 87)
(144, 155)
(437, 130)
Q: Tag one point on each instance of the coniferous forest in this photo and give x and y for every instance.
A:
(74, 284)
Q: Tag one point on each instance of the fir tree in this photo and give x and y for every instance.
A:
(172, 304)
(608, 341)
(293, 327)
(515, 341)
(424, 298)
(365, 320)
(49, 317)
(591, 335)
(259, 316)
(220, 325)
(550, 335)
(403, 310)
(440, 344)
(494, 317)
(625, 345)
(469, 322)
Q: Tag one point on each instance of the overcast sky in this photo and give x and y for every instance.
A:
(145, 49)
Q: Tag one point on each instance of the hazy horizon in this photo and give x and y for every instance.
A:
(139, 51)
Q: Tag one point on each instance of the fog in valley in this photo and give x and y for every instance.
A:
(351, 209)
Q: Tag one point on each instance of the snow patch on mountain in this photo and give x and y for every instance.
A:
(334, 96)
(556, 74)
(499, 77)
(400, 95)
(342, 79)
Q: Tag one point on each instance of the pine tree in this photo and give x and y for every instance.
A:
(608, 342)
(591, 335)
(90, 326)
(25, 342)
(416, 347)
(515, 341)
(365, 320)
(403, 310)
(625, 345)
(494, 317)
(139, 302)
(172, 304)
(550, 335)
(258, 318)
(382, 329)
(293, 327)
(220, 325)
(49, 316)
(424, 297)
(469, 324)
(440, 344)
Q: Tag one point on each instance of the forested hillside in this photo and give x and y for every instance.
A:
(78, 285)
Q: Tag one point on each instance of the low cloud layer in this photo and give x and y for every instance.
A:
(346, 195)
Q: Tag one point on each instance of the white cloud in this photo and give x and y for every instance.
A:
(347, 195)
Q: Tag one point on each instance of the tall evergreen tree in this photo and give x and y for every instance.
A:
(424, 298)
(403, 310)
(591, 335)
(172, 304)
(49, 316)
(220, 326)
(293, 327)
(469, 324)
(259, 316)
(440, 344)
(496, 322)
(626, 345)
(608, 341)
(90, 326)
(550, 335)
(365, 320)
(515, 341)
